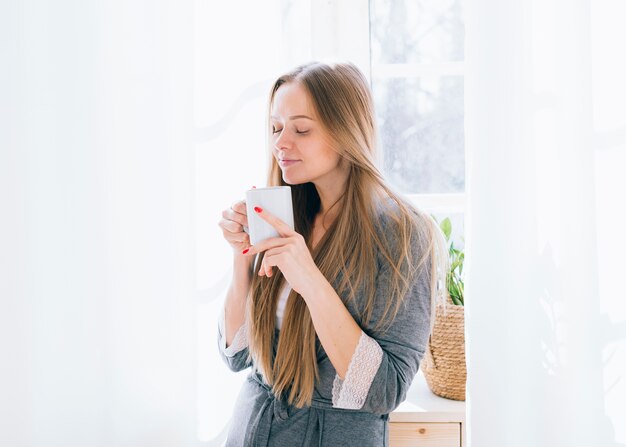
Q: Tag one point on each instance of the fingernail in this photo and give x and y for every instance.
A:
(245, 251)
(258, 209)
(254, 187)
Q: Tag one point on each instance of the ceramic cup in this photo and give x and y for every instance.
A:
(276, 200)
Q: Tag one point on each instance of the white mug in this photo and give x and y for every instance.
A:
(276, 200)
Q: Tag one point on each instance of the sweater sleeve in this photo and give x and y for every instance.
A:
(351, 392)
(236, 355)
(384, 365)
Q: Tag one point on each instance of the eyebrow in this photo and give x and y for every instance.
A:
(294, 117)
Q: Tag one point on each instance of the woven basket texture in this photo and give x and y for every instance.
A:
(444, 361)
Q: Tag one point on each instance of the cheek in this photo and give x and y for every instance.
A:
(332, 158)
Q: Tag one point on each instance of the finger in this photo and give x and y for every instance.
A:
(271, 260)
(232, 214)
(240, 207)
(231, 226)
(270, 255)
(237, 238)
(264, 268)
(267, 244)
(280, 226)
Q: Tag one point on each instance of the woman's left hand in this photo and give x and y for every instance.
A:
(290, 254)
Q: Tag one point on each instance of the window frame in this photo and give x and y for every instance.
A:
(338, 29)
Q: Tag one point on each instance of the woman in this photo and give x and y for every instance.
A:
(333, 317)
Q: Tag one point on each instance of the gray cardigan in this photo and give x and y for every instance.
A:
(260, 419)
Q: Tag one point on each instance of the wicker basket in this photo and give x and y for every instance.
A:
(444, 361)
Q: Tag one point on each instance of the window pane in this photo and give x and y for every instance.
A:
(421, 133)
(416, 31)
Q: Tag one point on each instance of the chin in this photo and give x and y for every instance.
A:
(293, 180)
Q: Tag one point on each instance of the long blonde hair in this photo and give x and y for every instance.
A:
(348, 252)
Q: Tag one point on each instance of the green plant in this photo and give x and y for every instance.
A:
(454, 280)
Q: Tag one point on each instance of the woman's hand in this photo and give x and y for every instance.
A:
(290, 254)
(232, 223)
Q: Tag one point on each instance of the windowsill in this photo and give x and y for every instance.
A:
(422, 405)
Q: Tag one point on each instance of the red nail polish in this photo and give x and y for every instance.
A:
(254, 187)
(245, 251)
(258, 209)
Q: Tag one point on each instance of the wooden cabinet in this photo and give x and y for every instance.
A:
(431, 434)
(427, 420)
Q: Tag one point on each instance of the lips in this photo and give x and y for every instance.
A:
(286, 162)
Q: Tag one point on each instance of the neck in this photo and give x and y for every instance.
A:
(327, 200)
(330, 198)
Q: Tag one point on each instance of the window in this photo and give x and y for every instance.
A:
(416, 63)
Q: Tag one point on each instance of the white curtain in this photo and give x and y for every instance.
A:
(97, 320)
(126, 127)
(546, 146)
(236, 57)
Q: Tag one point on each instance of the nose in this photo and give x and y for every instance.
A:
(283, 141)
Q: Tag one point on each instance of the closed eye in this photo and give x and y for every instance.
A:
(274, 130)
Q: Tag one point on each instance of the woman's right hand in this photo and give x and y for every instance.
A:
(232, 223)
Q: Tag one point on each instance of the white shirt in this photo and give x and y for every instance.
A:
(282, 303)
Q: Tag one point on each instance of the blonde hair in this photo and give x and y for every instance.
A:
(348, 253)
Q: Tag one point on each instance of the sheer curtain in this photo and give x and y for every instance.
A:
(126, 128)
(546, 141)
(236, 57)
(97, 321)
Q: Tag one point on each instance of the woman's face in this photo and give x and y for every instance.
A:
(300, 144)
